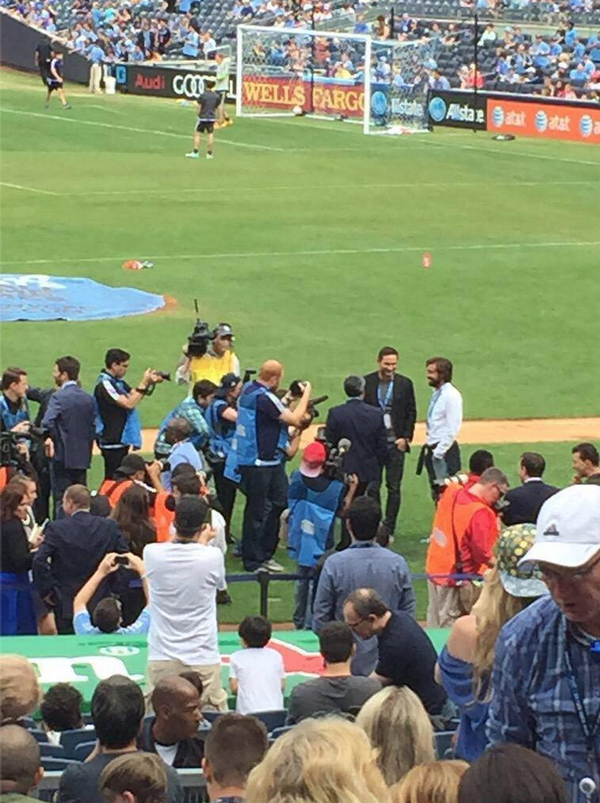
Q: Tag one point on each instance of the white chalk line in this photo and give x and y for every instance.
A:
(315, 252)
(27, 189)
(505, 149)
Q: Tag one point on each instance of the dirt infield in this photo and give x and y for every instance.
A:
(510, 430)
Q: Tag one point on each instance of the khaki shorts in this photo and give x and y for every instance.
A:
(214, 694)
(449, 603)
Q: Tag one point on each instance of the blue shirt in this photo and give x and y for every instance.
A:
(82, 624)
(532, 703)
(97, 55)
(362, 565)
(183, 452)
(457, 680)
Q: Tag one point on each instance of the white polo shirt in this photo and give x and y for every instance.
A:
(184, 580)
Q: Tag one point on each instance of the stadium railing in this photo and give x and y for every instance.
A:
(192, 781)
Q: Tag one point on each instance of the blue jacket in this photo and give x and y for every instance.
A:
(70, 421)
(312, 515)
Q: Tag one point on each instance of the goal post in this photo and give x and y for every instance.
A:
(381, 85)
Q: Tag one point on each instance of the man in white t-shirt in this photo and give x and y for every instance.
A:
(184, 576)
(256, 673)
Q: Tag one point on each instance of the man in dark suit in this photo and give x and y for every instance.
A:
(70, 552)
(362, 424)
(394, 394)
(69, 422)
(524, 503)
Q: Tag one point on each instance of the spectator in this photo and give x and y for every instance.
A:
(435, 782)
(256, 672)
(17, 609)
(586, 464)
(20, 764)
(394, 394)
(173, 731)
(363, 562)
(336, 690)
(406, 655)
(194, 409)
(117, 713)
(132, 471)
(386, 715)
(463, 536)
(61, 711)
(439, 81)
(524, 503)
(184, 576)
(363, 426)
(489, 36)
(134, 779)
(548, 653)
(314, 500)
(100, 506)
(234, 746)
(69, 421)
(72, 549)
(20, 692)
(320, 759)
(510, 774)
(178, 434)
(465, 663)
(108, 616)
(441, 454)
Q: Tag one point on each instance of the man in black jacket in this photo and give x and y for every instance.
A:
(394, 394)
(524, 503)
(70, 552)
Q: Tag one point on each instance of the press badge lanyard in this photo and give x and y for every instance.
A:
(590, 730)
(388, 395)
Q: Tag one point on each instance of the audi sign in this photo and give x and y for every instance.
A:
(166, 82)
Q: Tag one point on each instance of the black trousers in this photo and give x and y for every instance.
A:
(61, 478)
(450, 466)
(112, 460)
(266, 490)
(226, 492)
(394, 471)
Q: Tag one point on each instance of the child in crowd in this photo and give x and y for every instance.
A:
(256, 673)
(61, 711)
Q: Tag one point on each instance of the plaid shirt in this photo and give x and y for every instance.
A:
(193, 413)
(532, 703)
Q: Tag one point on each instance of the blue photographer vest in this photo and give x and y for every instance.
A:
(132, 431)
(10, 419)
(244, 445)
(311, 519)
(221, 432)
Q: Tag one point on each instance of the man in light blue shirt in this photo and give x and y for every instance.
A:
(178, 434)
(107, 613)
(363, 564)
(441, 455)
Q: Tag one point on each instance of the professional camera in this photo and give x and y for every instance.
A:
(333, 465)
(248, 374)
(164, 375)
(9, 454)
(296, 390)
(201, 336)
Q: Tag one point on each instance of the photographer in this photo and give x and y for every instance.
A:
(314, 500)
(208, 355)
(259, 452)
(14, 410)
(117, 420)
(221, 417)
(194, 409)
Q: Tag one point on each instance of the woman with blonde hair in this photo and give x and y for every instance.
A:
(436, 782)
(328, 760)
(399, 728)
(465, 664)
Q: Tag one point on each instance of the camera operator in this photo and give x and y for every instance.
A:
(314, 501)
(260, 448)
(117, 420)
(363, 425)
(221, 417)
(207, 356)
(69, 421)
(194, 409)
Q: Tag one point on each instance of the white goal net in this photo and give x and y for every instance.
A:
(381, 85)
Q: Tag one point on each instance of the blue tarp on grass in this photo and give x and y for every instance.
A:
(25, 297)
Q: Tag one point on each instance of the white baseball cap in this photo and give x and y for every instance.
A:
(568, 528)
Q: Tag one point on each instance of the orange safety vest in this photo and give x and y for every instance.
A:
(4, 477)
(113, 490)
(450, 524)
(163, 518)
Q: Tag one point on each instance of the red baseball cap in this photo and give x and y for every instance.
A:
(313, 458)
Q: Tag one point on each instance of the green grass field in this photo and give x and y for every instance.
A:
(308, 237)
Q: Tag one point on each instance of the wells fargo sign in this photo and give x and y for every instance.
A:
(580, 123)
(280, 93)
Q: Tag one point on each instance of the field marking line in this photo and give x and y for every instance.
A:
(27, 189)
(311, 253)
(510, 152)
(97, 124)
(333, 187)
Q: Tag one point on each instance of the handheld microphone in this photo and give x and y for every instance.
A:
(344, 445)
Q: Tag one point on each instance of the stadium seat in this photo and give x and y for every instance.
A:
(443, 744)
(56, 764)
(272, 719)
(70, 739)
(82, 750)
(38, 734)
(52, 750)
(277, 732)
(28, 722)
(210, 716)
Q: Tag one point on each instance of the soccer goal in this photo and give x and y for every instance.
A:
(379, 84)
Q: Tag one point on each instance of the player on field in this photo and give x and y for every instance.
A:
(55, 81)
(222, 87)
(208, 103)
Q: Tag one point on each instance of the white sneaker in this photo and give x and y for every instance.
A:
(273, 567)
(192, 155)
(209, 156)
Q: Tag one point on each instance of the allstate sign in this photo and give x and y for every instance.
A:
(456, 108)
